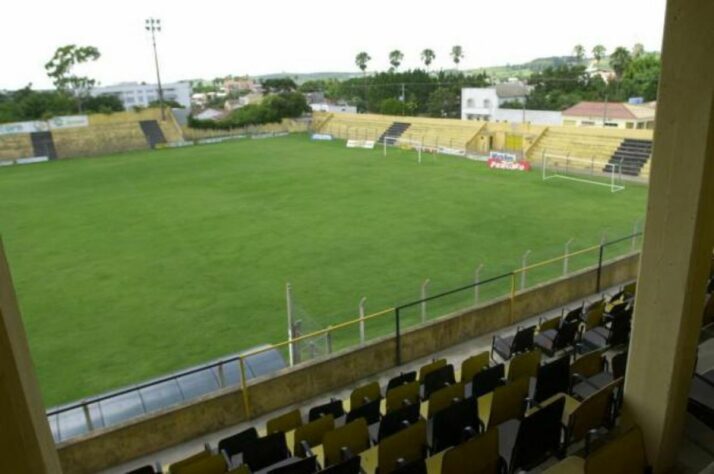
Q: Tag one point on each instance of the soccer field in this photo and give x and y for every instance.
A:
(129, 266)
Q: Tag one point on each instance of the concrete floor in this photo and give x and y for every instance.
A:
(696, 452)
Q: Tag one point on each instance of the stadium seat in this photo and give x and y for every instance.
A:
(397, 396)
(472, 365)
(524, 364)
(590, 414)
(333, 407)
(526, 444)
(284, 423)
(414, 467)
(407, 445)
(478, 455)
(592, 381)
(593, 315)
(312, 433)
(443, 398)
(191, 459)
(554, 341)
(297, 466)
(369, 411)
(212, 464)
(449, 426)
(507, 347)
(437, 379)
(622, 455)
(401, 379)
(365, 394)
(487, 380)
(236, 444)
(266, 451)
(354, 436)
(552, 378)
(508, 402)
(602, 337)
(148, 469)
(430, 367)
(349, 466)
(397, 420)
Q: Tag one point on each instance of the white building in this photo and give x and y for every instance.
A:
(479, 103)
(133, 94)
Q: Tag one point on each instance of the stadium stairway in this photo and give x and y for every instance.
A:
(43, 144)
(153, 133)
(394, 131)
(632, 155)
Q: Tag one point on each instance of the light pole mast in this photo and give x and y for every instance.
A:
(153, 25)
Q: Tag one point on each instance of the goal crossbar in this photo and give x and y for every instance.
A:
(576, 169)
(402, 143)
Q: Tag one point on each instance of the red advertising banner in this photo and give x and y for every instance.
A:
(507, 161)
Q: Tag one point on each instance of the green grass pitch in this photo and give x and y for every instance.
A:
(133, 265)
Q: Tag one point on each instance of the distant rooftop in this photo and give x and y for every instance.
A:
(614, 110)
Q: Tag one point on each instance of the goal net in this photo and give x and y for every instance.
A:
(582, 170)
(403, 144)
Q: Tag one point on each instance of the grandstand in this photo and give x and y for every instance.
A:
(105, 133)
(598, 150)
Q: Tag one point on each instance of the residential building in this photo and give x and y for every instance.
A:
(134, 94)
(611, 114)
(479, 103)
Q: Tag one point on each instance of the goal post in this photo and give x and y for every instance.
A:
(404, 144)
(582, 170)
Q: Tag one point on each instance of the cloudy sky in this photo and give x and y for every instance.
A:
(234, 37)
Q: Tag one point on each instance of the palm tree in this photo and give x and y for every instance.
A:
(638, 50)
(428, 56)
(395, 58)
(457, 54)
(361, 61)
(579, 52)
(599, 52)
(619, 60)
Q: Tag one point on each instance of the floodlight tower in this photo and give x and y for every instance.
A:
(153, 25)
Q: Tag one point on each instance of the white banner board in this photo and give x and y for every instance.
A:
(23, 127)
(68, 121)
(368, 144)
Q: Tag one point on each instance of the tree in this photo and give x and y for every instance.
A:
(579, 53)
(278, 85)
(599, 52)
(428, 56)
(104, 104)
(641, 78)
(457, 54)
(361, 60)
(59, 69)
(391, 106)
(619, 60)
(638, 50)
(395, 58)
(444, 102)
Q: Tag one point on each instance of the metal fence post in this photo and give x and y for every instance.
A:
(399, 337)
(328, 337)
(599, 269)
(291, 324)
(477, 280)
(567, 256)
(524, 264)
(361, 320)
(87, 417)
(424, 287)
(244, 389)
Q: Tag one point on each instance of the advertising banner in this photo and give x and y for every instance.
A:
(507, 161)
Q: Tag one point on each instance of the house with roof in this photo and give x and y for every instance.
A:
(611, 114)
(479, 103)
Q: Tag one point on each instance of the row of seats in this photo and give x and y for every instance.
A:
(583, 146)
(487, 415)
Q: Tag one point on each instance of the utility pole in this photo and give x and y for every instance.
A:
(604, 112)
(404, 99)
(153, 25)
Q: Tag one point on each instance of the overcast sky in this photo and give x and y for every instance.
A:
(217, 38)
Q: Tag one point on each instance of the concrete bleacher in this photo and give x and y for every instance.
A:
(591, 148)
(16, 145)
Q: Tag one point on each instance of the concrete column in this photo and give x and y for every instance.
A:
(26, 444)
(679, 234)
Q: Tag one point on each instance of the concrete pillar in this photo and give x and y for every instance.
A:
(679, 234)
(26, 444)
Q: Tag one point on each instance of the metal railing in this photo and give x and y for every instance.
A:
(397, 311)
